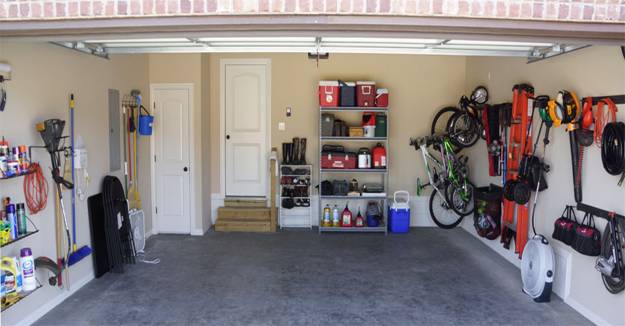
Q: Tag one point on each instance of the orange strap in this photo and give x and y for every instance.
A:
(602, 118)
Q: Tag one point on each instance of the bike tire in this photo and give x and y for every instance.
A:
(457, 205)
(468, 135)
(613, 285)
(447, 222)
(441, 115)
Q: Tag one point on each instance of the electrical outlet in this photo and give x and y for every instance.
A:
(281, 126)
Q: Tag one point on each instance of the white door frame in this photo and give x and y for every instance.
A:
(222, 116)
(192, 167)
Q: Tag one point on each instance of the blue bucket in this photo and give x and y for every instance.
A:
(145, 123)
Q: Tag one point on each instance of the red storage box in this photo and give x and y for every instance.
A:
(381, 98)
(329, 93)
(365, 93)
(338, 160)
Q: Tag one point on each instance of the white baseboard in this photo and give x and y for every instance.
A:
(42, 310)
(593, 317)
(197, 232)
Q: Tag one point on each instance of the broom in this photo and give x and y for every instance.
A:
(77, 253)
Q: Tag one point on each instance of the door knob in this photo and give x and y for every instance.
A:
(227, 136)
(185, 169)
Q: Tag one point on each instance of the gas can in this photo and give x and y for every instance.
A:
(359, 221)
(379, 157)
(346, 218)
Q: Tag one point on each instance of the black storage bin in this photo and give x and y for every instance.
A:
(348, 93)
(327, 124)
(487, 214)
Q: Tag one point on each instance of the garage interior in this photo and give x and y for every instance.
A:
(264, 270)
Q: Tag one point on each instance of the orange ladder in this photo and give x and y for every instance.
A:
(519, 144)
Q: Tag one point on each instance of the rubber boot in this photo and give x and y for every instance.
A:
(289, 149)
(302, 150)
(294, 152)
(285, 153)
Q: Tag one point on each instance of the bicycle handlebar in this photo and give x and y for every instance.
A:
(426, 140)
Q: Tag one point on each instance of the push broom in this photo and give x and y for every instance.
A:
(77, 254)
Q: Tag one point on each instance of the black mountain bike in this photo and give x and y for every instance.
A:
(463, 125)
(611, 263)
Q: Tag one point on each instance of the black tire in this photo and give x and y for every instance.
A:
(443, 215)
(614, 285)
(460, 206)
(463, 129)
(440, 123)
(441, 119)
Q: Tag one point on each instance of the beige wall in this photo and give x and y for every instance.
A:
(43, 77)
(184, 68)
(418, 85)
(590, 72)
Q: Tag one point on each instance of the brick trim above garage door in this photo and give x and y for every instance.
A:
(555, 10)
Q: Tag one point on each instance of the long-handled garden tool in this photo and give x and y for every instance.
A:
(77, 253)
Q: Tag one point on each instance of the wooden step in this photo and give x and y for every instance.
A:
(242, 226)
(244, 214)
(245, 202)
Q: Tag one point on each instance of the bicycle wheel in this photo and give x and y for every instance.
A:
(442, 214)
(439, 124)
(614, 283)
(462, 129)
(461, 203)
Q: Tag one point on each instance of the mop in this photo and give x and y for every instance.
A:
(77, 253)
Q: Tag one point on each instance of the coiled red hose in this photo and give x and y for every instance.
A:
(36, 189)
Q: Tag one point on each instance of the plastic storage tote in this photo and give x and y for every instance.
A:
(328, 93)
(399, 213)
(348, 93)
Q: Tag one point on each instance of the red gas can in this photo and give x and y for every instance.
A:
(365, 93)
(379, 157)
(329, 93)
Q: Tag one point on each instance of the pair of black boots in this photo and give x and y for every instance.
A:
(294, 153)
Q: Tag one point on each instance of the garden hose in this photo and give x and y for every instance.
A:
(613, 148)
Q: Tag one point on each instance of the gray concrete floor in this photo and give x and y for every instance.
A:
(428, 277)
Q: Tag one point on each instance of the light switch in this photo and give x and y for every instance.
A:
(281, 126)
(288, 111)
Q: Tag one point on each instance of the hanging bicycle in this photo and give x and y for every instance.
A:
(452, 195)
(463, 124)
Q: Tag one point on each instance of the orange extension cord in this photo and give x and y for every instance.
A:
(36, 189)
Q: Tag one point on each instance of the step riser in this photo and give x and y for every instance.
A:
(227, 226)
(225, 214)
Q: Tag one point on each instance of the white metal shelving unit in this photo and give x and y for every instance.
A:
(382, 173)
(296, 217)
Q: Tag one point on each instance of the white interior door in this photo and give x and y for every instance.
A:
(172, 156)
(246, 129)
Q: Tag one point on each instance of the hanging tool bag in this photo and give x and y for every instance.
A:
(487, 215)
(587, 237)
(565, 226)
(532, 170)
